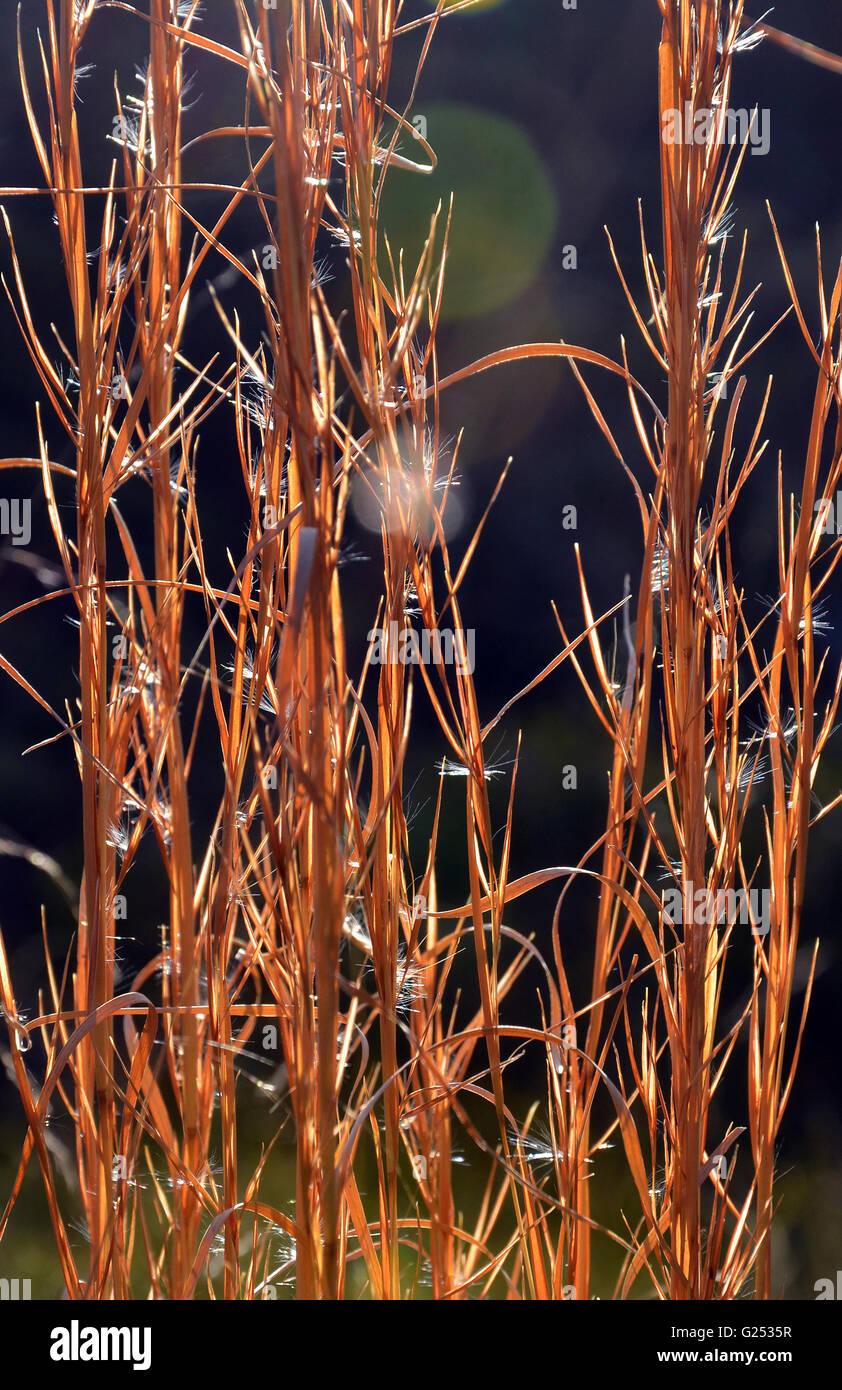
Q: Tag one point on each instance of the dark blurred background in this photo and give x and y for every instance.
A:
(545, 124)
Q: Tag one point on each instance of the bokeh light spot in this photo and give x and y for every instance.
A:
(505, 208)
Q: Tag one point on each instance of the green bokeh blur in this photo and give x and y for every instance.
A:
(505, 207)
